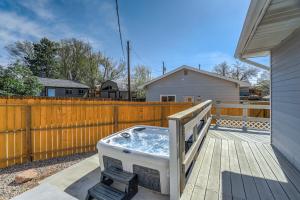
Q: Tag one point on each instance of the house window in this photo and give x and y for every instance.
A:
(69, 91)
(189, 99)
(81, 91)
(167, 98)
(51, 92)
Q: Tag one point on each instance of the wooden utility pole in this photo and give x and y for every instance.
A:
(128, 70)
(164, 68)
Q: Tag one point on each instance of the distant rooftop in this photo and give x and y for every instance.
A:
(240, 83)
(49, 82)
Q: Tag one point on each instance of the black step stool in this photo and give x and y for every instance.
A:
(104, 192)
(108, 176)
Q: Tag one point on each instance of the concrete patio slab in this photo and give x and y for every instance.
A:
(44, 192)
(74, 182)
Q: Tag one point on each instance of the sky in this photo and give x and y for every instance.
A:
(178, 32)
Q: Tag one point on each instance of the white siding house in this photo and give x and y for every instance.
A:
(188, 84)
(272, 27)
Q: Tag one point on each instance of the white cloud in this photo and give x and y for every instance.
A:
(13, 24)
(39, 8)
(214, 58)
(108, 11)
(4, 61)
(6, 37)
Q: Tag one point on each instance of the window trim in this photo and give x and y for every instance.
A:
(83, 91)
(163, 95)
(70, 89)
(193, 99)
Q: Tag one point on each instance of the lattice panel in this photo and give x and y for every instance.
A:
(259, 125)
(240, 124)
(230, 123)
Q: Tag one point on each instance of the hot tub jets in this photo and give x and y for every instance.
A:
(125, 135)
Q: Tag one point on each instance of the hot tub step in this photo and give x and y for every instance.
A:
(111, 174)
(104, 192)
(119, 175)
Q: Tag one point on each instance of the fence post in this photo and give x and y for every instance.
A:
(245, 115)
(218, 112)
(116, 113)
(175, 159)
(161, 115)
(28, 133)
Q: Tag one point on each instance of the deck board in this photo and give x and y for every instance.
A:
(214, 175)
(272, 180)
(241, 165)
(247, 176)
(290, 189)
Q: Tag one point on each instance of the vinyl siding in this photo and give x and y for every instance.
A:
(193, 84)
(286, 98)
(61, 92)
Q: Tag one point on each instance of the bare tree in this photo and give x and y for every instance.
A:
(109, 69)
(263, 83)
(222, 69)
(21, 51)
(242, 73)
(142, 74)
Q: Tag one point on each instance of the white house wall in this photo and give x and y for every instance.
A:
(286, 98)
(193, 84)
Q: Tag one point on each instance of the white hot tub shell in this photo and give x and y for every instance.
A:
(143, 150)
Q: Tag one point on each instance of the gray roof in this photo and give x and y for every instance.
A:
(240, 83)
(49, 82)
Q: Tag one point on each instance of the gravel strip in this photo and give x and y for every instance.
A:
(45, 168)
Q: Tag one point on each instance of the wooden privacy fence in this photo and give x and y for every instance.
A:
(41, 128)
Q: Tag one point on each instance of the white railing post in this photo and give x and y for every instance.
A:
(183, 125)
(175, 163)
(245, 115)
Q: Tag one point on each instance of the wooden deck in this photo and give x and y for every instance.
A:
(239, 165)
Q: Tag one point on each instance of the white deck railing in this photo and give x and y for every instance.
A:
(191, 123)
(244, 121)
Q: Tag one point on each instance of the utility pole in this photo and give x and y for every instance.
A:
(128, 70)
(199, 66)
(164, 68)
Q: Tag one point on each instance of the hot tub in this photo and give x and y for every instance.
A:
(143, 150)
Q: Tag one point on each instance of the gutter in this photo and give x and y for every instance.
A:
(244, 40)
(256, 64)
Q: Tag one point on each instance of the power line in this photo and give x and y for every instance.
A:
(119, 25)
(138, 56)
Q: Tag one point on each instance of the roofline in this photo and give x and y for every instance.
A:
(250, 26)
(83, 86)
(50, 86)
(195, 70)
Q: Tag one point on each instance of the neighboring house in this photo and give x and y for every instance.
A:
(266, 98)
(62, 88)
(188, 84)
(272, 28)
(244, 90)
(114, 90)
